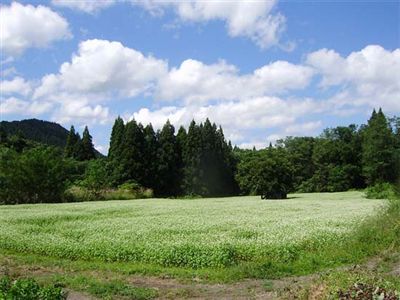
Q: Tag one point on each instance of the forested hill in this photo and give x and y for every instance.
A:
(37, 130)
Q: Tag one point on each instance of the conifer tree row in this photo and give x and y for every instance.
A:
(197, 162)
(77, 148)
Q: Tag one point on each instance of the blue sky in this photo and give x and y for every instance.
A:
(261, 69)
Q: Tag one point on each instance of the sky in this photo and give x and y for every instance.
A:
(262, 70)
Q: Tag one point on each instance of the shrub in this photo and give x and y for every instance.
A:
(128, 190)
(28, 289)
(380, 191)
(38, 175)
(96, 179)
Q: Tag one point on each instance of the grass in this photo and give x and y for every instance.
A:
(305, 234)
(252, 237)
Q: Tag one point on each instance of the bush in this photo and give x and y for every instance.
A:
(37, 175)
(96, 179)
(28, 289)
(381, 191)
(125, 191)
(128, 190)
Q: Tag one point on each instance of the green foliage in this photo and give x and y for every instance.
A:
(167, 157)
(265, 172)
(199, 162)
(96, 178)
(383, 190)
(128, 190)
(37, 175)
(132, 155)
(379, 158)
(28, 289)
(77, 148)
(44, 132)
(87, 145)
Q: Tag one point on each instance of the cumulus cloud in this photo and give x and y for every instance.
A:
(194, 81)
(81, 112)
(254, 20)
(27, 26)
(238, 117)
(14, 105)
(251, 19)
(243, 103)
(17, 85)
(85, 6)
(368, 77)
(102, 69)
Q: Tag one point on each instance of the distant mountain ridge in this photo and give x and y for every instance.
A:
(45, 132)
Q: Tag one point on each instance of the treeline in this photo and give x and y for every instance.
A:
(197, 162)
(340, 159)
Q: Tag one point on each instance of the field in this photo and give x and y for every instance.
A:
(195, 233)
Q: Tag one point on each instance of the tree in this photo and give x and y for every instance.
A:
(266, 172)
(336, 159)
(150, 162)
(71, 143)
(88, 151)
(167, 158)
(192, 158)
(378, 150)
(37, 175)
(180, 148)
(116, 140)
(300, 153)
(132, 153)
(96, 178)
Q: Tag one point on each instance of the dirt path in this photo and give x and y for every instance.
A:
(168, 288)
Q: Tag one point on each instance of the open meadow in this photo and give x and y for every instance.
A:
(212, 232)
(180, 248)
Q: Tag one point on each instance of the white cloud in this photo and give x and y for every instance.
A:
(7, 72)
(251, 19)
(14, 105)
(254, 20)
(88, 6)
(307, 128)
(238, 118)
(194, 81)
(26, 26)
(102, 69)
(255, 144)
(368, 77)
(81, 112)
(17, 85)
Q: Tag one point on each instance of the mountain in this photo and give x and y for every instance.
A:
(40, 131)
(37, 130)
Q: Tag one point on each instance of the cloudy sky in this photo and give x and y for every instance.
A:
(261, 69)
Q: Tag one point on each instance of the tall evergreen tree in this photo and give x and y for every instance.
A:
(180, 148)
(167, 158)
(378, 150)
(78, 152)
(115, 152)
(87, 145)
(132, 164)
(192, 158)
(71, 143)
(116, 140)
(150, 157)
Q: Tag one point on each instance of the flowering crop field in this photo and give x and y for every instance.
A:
(212, 232)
